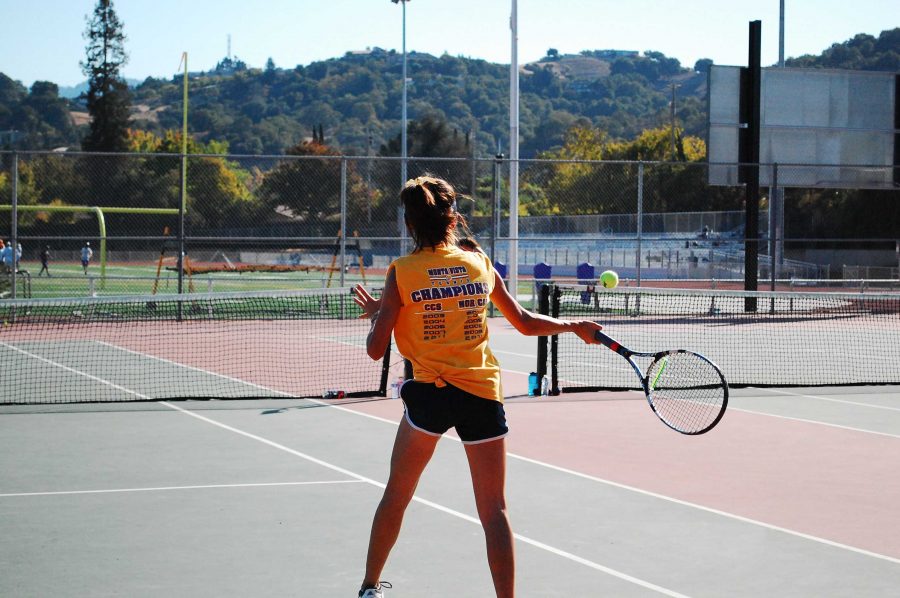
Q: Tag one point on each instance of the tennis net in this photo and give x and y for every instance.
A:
(220, 346)
(791, 339)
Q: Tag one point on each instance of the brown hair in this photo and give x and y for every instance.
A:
(429, 205)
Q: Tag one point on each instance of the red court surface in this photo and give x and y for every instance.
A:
(836, 484)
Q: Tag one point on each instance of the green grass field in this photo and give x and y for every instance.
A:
(69, 280)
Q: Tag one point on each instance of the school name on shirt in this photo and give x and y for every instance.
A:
(449, 292)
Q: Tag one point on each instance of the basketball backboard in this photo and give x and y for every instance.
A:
(839, 124)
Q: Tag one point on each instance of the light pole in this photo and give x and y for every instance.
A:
(513, 255)
(776, 219)
(401, 224)
(403, 108)
(672, 122)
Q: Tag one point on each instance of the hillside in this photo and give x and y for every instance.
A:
(358, 96)
(355, 99)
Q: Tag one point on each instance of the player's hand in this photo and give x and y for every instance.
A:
(369, 304)
(585, 330)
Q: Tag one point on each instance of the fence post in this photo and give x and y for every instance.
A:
(640, 220)
(182, 199)
(15, 221)
(897, 253)
(773, 242)
(495, 206)
(343, 233)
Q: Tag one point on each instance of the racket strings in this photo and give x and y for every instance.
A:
(687, 392)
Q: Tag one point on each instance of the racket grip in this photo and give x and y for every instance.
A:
(612, 343)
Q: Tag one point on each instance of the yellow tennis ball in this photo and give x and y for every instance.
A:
(609, 279)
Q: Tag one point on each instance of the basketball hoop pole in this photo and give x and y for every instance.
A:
(749, 158)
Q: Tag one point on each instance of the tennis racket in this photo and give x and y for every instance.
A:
(687, 391)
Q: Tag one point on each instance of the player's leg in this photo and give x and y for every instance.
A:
(412, 451)
(487, 463)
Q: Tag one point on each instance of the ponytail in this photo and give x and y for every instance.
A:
(430, 211)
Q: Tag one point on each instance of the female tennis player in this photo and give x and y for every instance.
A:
(435, 303)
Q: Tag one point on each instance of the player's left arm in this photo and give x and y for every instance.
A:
(532, 324)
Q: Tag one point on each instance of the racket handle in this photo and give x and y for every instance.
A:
(612, 343)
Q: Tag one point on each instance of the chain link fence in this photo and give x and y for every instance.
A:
(164, 223)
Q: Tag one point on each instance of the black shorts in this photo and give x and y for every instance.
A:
(434, 410)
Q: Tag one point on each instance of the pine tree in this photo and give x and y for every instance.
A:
(108, 97)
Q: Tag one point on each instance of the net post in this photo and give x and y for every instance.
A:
(385, 371)
(543, 309)
(554, 344)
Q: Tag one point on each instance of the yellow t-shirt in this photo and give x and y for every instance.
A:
(442, 325)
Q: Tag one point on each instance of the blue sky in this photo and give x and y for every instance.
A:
(43, 39)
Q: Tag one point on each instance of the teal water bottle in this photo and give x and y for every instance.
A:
(533, 384)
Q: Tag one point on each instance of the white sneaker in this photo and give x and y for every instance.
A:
(376, 591)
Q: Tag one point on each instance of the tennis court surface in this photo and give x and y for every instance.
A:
(794, 493)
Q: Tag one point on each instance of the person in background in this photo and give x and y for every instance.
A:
(45, 261)
(86, 254)
(6, 257)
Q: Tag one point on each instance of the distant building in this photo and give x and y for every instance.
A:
(10, 137)
(617, 54)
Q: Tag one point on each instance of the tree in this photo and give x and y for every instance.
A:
(702, 65)
(307, 187)
(108, 97)
(598, 180)
(431, 136)
(217, 190)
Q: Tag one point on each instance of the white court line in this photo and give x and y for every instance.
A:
(561, 553)
(74, 371)
(525, 539)
(814, 421)
(196, 369)
(501, 352)
(358, 477)
(664, 497)
(833, 400)
(167, 488)
(731, 407)
(711, 510)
